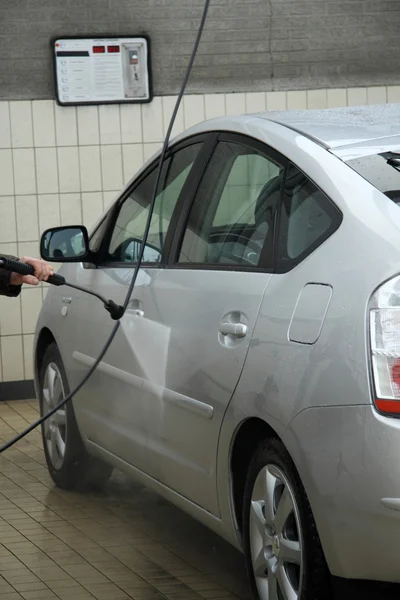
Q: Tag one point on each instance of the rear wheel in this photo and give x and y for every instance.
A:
(69, 464)
(284, 557)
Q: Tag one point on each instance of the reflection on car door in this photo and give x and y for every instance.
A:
(199, 315)
(111, 407)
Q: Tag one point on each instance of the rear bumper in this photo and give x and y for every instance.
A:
(349, 461)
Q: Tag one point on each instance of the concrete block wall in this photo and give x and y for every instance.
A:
(65, 166)
(247, 45)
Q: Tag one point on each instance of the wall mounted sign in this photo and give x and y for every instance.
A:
(102, 70)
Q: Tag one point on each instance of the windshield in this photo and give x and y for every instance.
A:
(382, 171)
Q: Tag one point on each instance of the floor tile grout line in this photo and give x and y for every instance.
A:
(123, 519)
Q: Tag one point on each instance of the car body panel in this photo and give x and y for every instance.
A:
(348, 459)
(197, 370)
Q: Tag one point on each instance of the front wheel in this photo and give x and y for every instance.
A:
(284, 557)
(68, 462)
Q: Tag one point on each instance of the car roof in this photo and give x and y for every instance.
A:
(348, 132)
(341, 127)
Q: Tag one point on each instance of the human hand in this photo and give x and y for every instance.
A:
(42, 272)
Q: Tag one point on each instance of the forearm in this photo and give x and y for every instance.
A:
(6, 289)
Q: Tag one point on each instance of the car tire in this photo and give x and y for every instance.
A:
(283, 553)
(69, 464)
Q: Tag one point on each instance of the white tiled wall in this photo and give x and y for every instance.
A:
(65, 165)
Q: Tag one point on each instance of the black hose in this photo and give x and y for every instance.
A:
(108, 343)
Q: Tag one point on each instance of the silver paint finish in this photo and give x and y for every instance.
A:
(173, 390)
(309, 313)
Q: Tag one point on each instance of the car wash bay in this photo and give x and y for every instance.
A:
(121, 542)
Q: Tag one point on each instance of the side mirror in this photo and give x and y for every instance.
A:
(65, 244)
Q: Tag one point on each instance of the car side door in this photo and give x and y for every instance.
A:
(207, 302)
(111, 408)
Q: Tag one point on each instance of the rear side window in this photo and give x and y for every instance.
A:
(231, 222)
(308, 218)
(382, 171)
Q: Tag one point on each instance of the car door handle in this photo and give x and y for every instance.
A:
(238, 330)
(135, 308)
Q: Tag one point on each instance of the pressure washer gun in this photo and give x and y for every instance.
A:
(16, 266)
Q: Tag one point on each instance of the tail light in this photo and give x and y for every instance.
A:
(385, 346)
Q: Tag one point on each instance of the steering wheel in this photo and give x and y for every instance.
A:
(252, 248)
(122, 248)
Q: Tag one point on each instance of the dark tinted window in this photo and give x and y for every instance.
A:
(129, 228)
(233, 213)
(308, 217)
(382, 171)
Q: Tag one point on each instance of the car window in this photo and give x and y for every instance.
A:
(308, 217)
(382, 171)
(130, 224)
(234, 209)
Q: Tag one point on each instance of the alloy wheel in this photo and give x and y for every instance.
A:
(55, 428)
(275, 537)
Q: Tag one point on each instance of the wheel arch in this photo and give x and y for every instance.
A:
(247, 437)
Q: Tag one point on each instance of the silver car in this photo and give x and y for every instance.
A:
(255, 378)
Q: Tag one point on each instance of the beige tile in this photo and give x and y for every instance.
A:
(235, 104)
(43, 123)
(193, 110)
(92, 207)
(110, 124)
(131, 123)
(377, 95)
(214, 105)
(336, 98)
(88, 125)
(168, 103)
(49, 211)
(21, 124)
(68, 169)
(46, 170)
(317, 99)
(66, 126)
(90, 168)
(393, 93)
(31, 305)
(27, 218)
(7, 173)
(276, 101)
(12, 363)
(8, 226)
(28, 249)
(109, 197)
(149, 150)
(357, 96)
(5, 127)
(256, 102)
(70, 209)
(27, 341)
(152, 119)
(132, 156)
(24, 171)
(297, 100)
(111, 166)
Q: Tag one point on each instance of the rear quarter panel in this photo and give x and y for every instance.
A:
(281, 378)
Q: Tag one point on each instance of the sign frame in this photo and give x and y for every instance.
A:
(95, 38)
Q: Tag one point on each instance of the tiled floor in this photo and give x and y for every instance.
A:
(124, 542)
